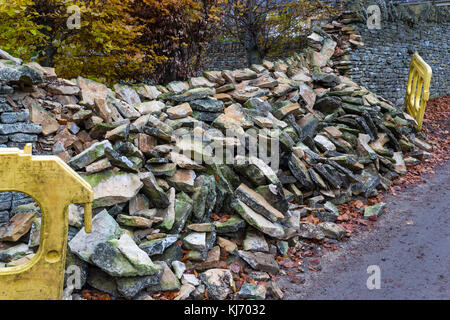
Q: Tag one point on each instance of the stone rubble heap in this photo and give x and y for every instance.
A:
(163, 209)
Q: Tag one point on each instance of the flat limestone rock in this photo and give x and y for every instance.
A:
(127, 94)
(157, 246)
(168, 282)
(258, 221)
(374, 210)
(232, 225)
(252, 291)
(149, 107)
(17, 226)
(111, 188)
(104, 228)
(134, 221)
(260, 261)
(332, 230)
(90, 155)
(185, 292)
(153, 191)
(254, 241)
(181, 111)
(102, 281)
(131, 286)
(14, 253)
(168, 214)
(40, 116)
(194, 94)
(257, 202)
(195, 241)
(219, 282)
(91, 90)
(183, 180)
(400, 166)
(123, 258)
(308, 230)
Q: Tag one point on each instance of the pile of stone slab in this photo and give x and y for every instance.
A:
(342, 30)
(167, 208)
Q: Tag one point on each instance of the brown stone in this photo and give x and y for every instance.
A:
(65, 137)
(64, 156)
(184, 162)
(98, 166)
(223, 97)
(92, 121)
(145, 143)
(333, 131)
(91, 90)
(284, 111)
(17, 226)
(227, 245)
(103, 110)
(181, 111)
(211, 261)
(39, 116)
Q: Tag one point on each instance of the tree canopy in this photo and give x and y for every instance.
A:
(143, 40)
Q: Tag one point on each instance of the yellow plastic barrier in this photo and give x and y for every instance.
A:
(418, 88)
(54, 185)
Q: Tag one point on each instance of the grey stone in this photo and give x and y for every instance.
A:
(13, 117)
(219, 282)
(120, 161)
(123, 258)
(193, 94)
(332, 230)
(23, 137)
(153, 191)
(232, 225)
(20, 127)
(157, 246)
(258, 221)
(195, 241)
(179, 268)
(131, 286)
(14, 253)
(207, 105)
(113, 187)
(252, 291)
(104, 228)
(308, 230)
(375, 210)
(326, 80)
(254, 241)
(260, 261)
(102, 281)
(90, 155)
(257, 202)
(168, 282)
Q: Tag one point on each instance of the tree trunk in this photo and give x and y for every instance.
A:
(250, 40)
(50, 52)
(251, 47)
(253, 56)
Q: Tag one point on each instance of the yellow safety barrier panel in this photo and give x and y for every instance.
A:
(54, 185)
(418, 88)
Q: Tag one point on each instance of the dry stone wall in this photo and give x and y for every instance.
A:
(382, 64)
(225, 56)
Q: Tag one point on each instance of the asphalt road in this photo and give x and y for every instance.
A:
(410, 244)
